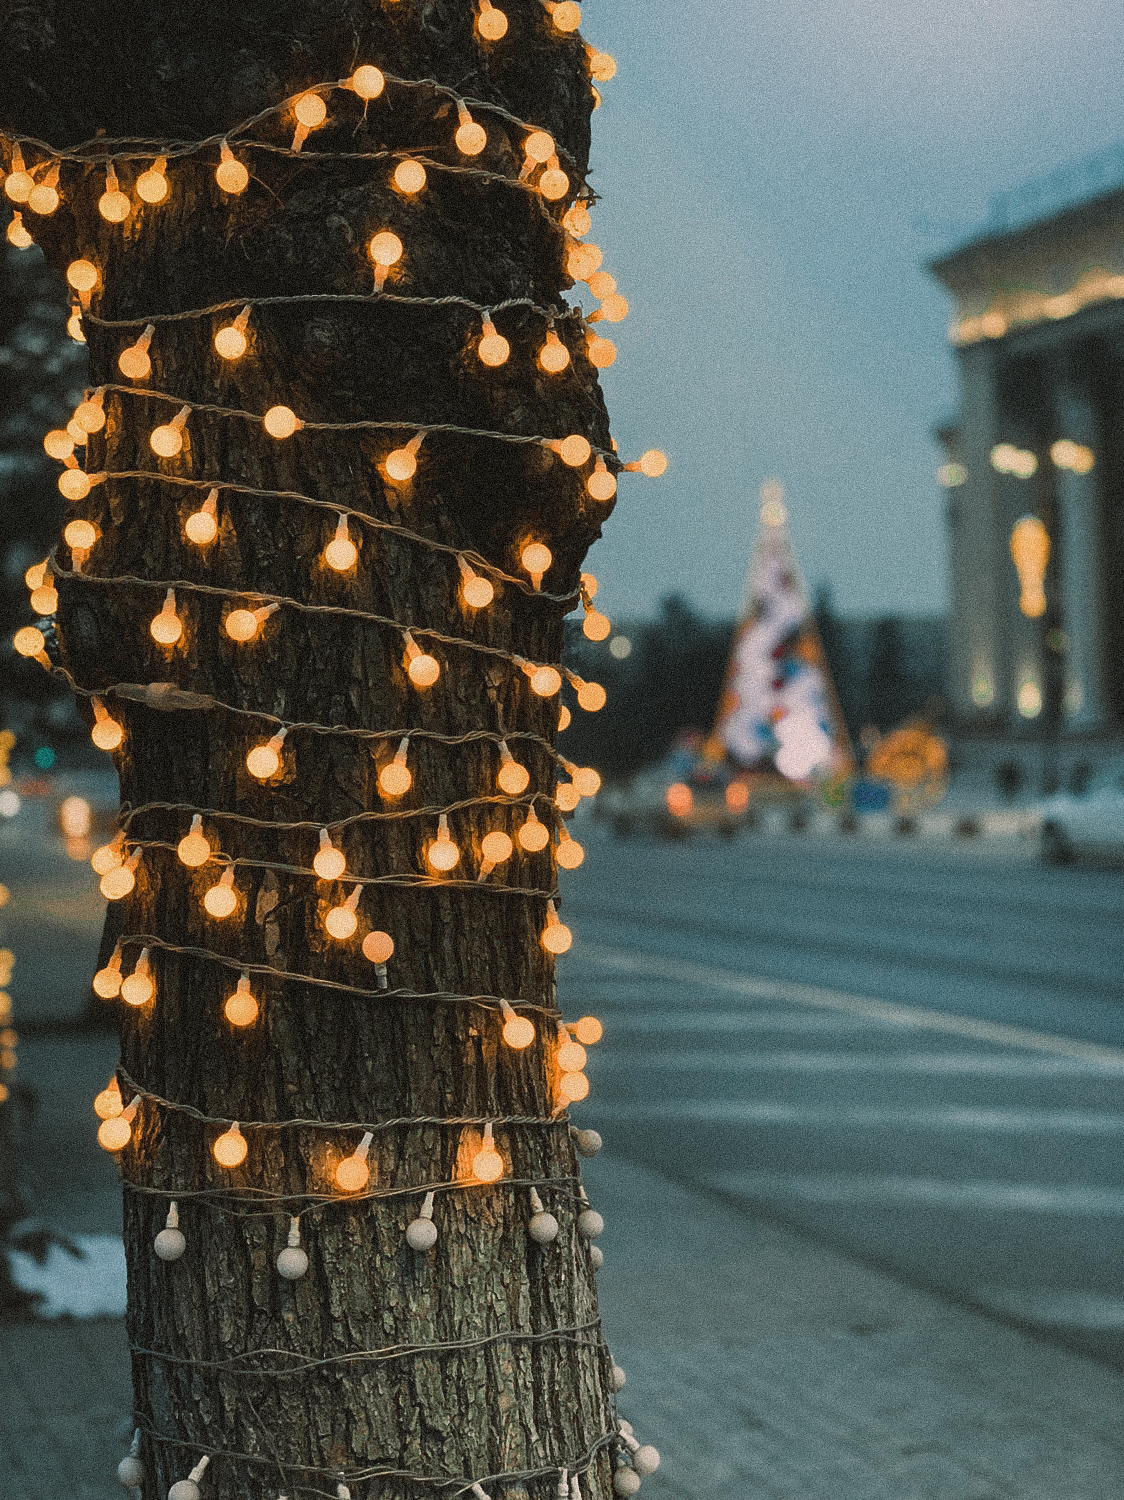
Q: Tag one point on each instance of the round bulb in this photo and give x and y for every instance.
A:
(193, 850)
(29, 641)
(107, 985)
(368, 81)
(539, 146)
(601, 284)
(117, 883)
(107, 734)
(45, 600)
(546, 681)
(310, 110)
(573, 1087)
(493, 350)
(201, 528)
(409, 176)
(653, 463)
(423, 670)
(220, 901)
(104, 859)
(574, 450)
(553, 356)
(395, 778)
(564, 717)
(601, 485)
(166, 628)
(21, 239)
(341, 553)
(554, 184)
(114, 1134)
(90, 416)
(491, 24)
(341, 922)
(557, 938)
(570, 854)
(353, 1174)
(443, 854)
(19, 186)
(592, 696)
(567, 16)
(152, 186)
(385, 249)
(137, 989)
(58, 443)
(496, 847)
(73, 484)
(567, 797)
(534, 836)
(231, 175)
(487, 1165)
(107, 1105)
(230, 342)
(114, 206)
(513, 778)
(471, 138)
(230, 1148)
(82, 275)
(134, 363)
(280, 421)
(241, 624)
(401, 465)
(477, 592)
(577, 219)
(241, 1009)
(603, 66)
(378, 947)
(572, 1057)
(166, 441)
(263, 762)
(536, 557)
(587, 781)
(518, 1032)
(596, 626)
(329, 863)
(588, 1030)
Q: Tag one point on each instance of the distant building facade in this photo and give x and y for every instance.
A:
(1039, 440)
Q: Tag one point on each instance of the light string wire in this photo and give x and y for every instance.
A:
(301, 1364)
(268, 971)
(475, 559)
(459, 1485)
(522, 439)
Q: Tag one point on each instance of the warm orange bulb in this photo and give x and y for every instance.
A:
(264, 761)
(470, 138)
(80, 534)
(653, 463)
(341, 553)
(166, 440)
(409, 176)
(587, 780)
(564, 718)
(241, 624)
(557, 937)
(58, 443)
(395, 778)
(90, 415)
(592, 696)
(536, 558)
(193, 849)
(539, 146)
(491, 23)
(19, 184)
(329, 862)
(310, 110)
(107, 983)
(496, 847)
(385, 249)
(574, 450)
(230, 342)
(602, 66)
(45, 599)
(573, 1087)
(114, 206)
(567, 16)
(588, 1030)
(577, 219)
(546, 681)
(378, 947)
(107, 733)
(353, 1174)
(477, 592)
(554, 184)
(280, 421)
(241, 1008)
(423, 670)
(602, 483)
(115, 1133)
(230, 1148)
(82, 275)
(401, 465)
(368, 81)
(533, 835)
(166, 627)
(107, 1104)
(442, 853)
(221, 900)
(567, 797)
(513, 778)
(571, 1057)
(118, 882)
(554, 357)
(29, 642)
(341, 922)
(570, 853)
(596, 626)
(152, 185)
(230, 174)
(108, 856)
(493, 349)
(134, 363)
(487, 1164)
(518, 1032)
(201, 527)
(137, 988)
(74, 484)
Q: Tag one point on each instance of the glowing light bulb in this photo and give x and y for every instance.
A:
(201, 527)
(1030, 552)
(533, 835)
(496, 847)
(167, 440)
(138, 988)
(78, 435)
(166, 628)
(58, 443)
(329, 862)
(230, 174)
(395, 777)
(567, 15)
(602, 65)
(573, 450)
(601, 284)
(409, 176)
(385, 249)
(476, 592)
(570, 853)
(230, 340)
(115, 1132)
(572, 1056)
(518, 1032)
(653, 463)
(114, 205)
(90, 414)
(152, 184)
(566, 797)
(573, 1087)
(554, 357)
(470, 138)
(442, 853)
(354, 1172)
(107, 1104)
(491, 23)
(539, 146)
(135, 362)
(82, 275)
(487, 1164)
(30, 642)
(564, 718)
(73, 484)
(264, 761)
(230, 1148)
(310, 110)
(513, 778)
(244, 624)
(19, 183)
(493, 348)
(592, 696)
(601, 484)
(280, 421)
(118, 882)
(107, 982)
(402, 463)
(588, 1030)
(341, 922)
(577, 220)
(582, 260)
(585, 778)
(367, 81)
(241, 1008)
(74, 322)
(35, 575)
(378, 947)
(221, 899)
(554, 184)
(536, 557)
(422, 669)
(108, 856)
(45, 599)
(546, 681)
(596, 626)
(107, 733)
(194, 849)
(44, 196)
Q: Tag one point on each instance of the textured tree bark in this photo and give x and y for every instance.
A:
(430, 1422)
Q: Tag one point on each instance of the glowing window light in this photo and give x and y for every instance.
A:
(443, 853)
(487, 1164)
(241, 1008)
(620, 648)
(533, 835)
(152, 184)
(1029, 698)
(230, 1148)
(1030, 552)
(354, 1171)
(201, 527)
(556, 936)
(230, 340)
(341, 922)
(230, 174)
(166, 628)
(107, 733)
(409, 176)
(367, 81)
(264, 761)
(491, 23)
(395, 778)
(135, 363)
(221, 900)
(1007, 459)
(329, 862)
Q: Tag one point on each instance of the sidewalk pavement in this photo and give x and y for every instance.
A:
(763, 1365)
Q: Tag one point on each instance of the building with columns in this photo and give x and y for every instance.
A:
(1039, 440)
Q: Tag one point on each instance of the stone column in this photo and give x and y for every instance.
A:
(1082, 588)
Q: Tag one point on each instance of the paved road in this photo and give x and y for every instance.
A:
(913, 1053)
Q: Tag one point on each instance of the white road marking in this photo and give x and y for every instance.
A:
(685, 1113)
(680, 971)
(841, 1189)
(1054, 1306)
(984, 1064)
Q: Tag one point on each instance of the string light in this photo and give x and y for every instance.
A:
(470, 138)
(569, 853)
(116, 883)
(230, 174)
(264, 761)
(188, 1489)
(591, 696)
(341, 922)
(244, 624)
(310, 111)
(395, 777)
(577, 220)
(491, 23)
(588, 1031)
(130, 1471)
(554, 184)
(518, 1031)
(378, 947)
(367, 81)
(167, 440)
(170, 1243)
(533, 836)
(108, 856)
(653, 464)
(476, 591)
(602, 483)
(329, 862)
(201, 526)
(409, 176)
(402, 463)
(512, 777)
(193, 849)
(385, 250)
(152, 184)
(139, 987)
(495, 847)
(572, 1056)
(107, 981)
(545, 680)
(354, 1172)
(134, 362)
(292, 1261)
(230, 340)
(45, 599)
(241, 1008)
(493, 348)
(585, 778)
(595, 626)
(108, 1104)
(19, 183)
(566, 15)
(422, 669)
(536, 557)
(82, 275)
(230, 1148)
(543, 1229)
(487, 1164)
(221, 899)
(564, 718)
(421, 1233)
(553, 357)
(115, 1133)
(281, 422)
(44, 196)
(602, 65)
(573, 450)
(31, 642)
(166, 628)
(114, 205)
(556, 936)
(90, 413)
(566, 797)
(442, 853)
(58, 444)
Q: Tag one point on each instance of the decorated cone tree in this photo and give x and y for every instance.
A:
(341, 458)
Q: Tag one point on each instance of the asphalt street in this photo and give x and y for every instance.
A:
(912, 1051)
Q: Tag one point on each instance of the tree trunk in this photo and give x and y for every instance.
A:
(523, 1389)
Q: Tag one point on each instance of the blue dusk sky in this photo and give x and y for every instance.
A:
(774, 177)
